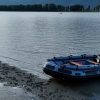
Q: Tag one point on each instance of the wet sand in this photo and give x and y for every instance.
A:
(49, 89)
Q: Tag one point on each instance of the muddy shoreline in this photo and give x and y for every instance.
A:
(50, 89)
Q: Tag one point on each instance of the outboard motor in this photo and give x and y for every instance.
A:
(98, 59)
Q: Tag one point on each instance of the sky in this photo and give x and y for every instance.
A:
(64, 2)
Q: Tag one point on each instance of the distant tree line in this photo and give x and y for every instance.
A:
(49, 8)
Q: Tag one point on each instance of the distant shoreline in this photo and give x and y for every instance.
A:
(50, 8)
(52, 12)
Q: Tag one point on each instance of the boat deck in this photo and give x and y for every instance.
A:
(82, 62)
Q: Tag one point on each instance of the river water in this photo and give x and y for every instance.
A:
(27, 39)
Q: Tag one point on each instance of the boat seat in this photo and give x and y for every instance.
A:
(75, 63)
(93, 62)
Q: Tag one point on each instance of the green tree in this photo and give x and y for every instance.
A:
(67, 8)
(46, 7)
(88, 9)
(61, 8)
(76, 8)
(52, 7)
(97, 8)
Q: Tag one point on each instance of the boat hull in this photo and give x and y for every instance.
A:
(60, 75)
(73, 67)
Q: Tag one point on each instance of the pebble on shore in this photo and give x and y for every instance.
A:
(44, 89)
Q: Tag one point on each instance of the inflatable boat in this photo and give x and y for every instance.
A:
(77, 67)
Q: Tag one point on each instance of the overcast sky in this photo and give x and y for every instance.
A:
(86, 2)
